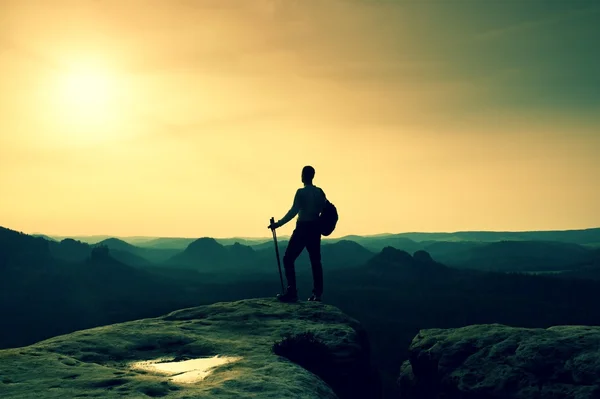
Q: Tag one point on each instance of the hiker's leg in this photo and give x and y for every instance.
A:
(293, 250)
(313, 245)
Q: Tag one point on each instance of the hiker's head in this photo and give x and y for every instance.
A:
(308, 174)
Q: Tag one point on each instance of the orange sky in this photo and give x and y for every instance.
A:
(194, 118)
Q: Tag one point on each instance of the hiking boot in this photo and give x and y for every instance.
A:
(315, 298)
(291, 295)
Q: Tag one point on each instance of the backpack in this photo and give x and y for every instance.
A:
(328, 217)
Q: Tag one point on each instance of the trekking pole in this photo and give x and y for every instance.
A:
(277, 254)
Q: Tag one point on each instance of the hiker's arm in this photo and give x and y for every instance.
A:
(292, 212)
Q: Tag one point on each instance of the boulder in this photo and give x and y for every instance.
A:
(497, 361)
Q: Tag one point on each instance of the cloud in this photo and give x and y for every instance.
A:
(161, 129)
(524, 27)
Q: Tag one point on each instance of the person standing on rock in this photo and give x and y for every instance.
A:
(308, 203)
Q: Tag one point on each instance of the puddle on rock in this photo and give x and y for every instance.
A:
(186, 371)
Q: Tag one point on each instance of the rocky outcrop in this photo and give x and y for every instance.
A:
(395, 262)
(496, 361)
(208, 255)
(423, 256)
(268, 339)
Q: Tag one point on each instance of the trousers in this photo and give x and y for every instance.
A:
(306, 235)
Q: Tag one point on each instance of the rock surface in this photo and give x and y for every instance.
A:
(497, 361)
(96, 362)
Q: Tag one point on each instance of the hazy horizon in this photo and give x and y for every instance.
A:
(194, 118)
(269, 237)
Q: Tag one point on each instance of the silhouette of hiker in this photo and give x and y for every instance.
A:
(308, 203)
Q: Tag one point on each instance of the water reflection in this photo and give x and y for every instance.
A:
(186, 371)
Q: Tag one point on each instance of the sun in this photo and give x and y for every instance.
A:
(87, 102)
(88, 90)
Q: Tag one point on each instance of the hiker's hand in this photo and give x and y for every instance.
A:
(273, 226)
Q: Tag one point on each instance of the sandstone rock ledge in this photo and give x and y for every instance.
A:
(497, 361)
(97, 362)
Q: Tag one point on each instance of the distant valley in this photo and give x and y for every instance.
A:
(394, 284)
(545, 251)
